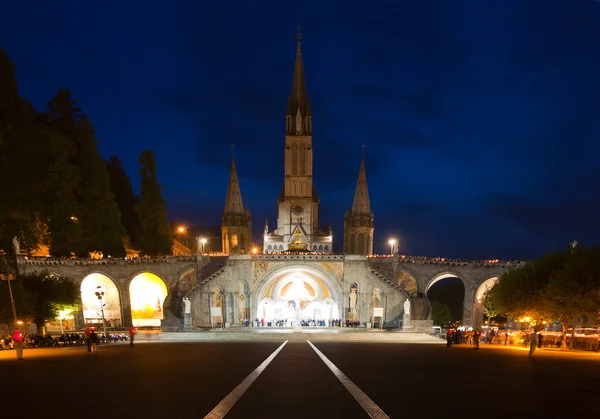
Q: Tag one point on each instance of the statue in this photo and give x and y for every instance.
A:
(16, 245)
(407, 307)
(187, 304)
(353, 299)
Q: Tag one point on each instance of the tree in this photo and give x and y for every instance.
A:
(47, 294)
(489, 307)
(100, 217)
(126, 200)
(441, 314)
(63, 113)
(520, 292)
(155, 235)
(56, 189)
(573, 292)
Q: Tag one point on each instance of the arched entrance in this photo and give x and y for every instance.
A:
(479, 308)
(147, 292)
(295, 295)
(446, 293)
(100, 292)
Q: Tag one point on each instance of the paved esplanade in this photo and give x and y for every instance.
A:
(189, 380)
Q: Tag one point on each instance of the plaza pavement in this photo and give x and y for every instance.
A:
(390, 379)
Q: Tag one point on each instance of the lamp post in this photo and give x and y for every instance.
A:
(203, 241)
(183, 230)
(9, 278)
(100, 295)
(392, 243)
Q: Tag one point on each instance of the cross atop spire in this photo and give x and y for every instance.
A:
(299, 34)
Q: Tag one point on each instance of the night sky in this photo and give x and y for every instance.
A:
(481, 119)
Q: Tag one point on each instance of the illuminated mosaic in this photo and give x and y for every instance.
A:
(148, 293)
(109, 300)
(336, 269)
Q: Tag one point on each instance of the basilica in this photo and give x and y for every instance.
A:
(296, 279)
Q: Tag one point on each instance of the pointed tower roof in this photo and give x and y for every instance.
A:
(361, 204)
(298, 97)
(233, 202)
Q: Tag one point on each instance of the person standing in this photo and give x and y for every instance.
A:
(94, 341)
(476, 336)
(88, 342)
(132, 332)
(532, 342)
(18, 343)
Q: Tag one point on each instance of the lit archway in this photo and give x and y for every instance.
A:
(478, 305)
(100, 292)
(147, 292)
(295, 295)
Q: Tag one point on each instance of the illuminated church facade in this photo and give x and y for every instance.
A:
(296, 277)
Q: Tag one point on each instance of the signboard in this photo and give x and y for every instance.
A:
(378, 312)
(215, 311)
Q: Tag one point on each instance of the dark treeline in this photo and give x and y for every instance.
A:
(56, 189)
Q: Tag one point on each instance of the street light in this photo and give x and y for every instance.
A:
(392, 242)
(9, 278)
(182, 230)
(203, 241)
(100, 295)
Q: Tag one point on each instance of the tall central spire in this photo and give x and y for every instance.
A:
(298, 100)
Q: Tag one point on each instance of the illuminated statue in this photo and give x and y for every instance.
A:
(16, 245)
(187, 305)
(353, 299)
(407, 307)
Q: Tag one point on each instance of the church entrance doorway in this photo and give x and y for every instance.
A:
(297, 298)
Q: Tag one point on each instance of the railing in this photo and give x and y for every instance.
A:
(299, 256)
(46, 261)
(474, 263)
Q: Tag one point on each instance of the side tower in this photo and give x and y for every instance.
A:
(358, 221)
(298, 203)
(236, 230)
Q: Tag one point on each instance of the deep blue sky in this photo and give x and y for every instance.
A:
(481, 119)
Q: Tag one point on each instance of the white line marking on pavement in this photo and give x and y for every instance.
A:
(369, 405)
(227, 403)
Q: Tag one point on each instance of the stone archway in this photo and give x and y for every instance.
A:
(147, 293)
(295, 294)
(478, 299)
(100, 293)
(459, 312)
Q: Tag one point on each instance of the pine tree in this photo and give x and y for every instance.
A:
(18, 125)
(155, 236)
(56, 190)
(63, 113)
(99, 214)
(121, 187)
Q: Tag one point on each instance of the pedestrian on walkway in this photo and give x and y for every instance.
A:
(94, 341)
(476, 336)
(18, 343)
(532, 342)
(132, 332)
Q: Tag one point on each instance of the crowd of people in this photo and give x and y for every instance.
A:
(303, 323)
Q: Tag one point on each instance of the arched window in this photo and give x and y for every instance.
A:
(326, 248)
(361, 244)
(234, 241)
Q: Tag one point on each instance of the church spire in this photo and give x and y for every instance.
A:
(233, 202)
(361, 204)
(298, 108)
